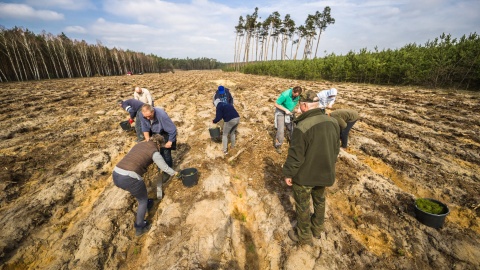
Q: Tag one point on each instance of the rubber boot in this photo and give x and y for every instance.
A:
(140, 230)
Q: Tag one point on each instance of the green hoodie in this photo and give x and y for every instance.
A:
(314, 149)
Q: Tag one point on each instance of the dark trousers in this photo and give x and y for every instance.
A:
(166, 153)
(138, 126)
(138, 190)
(344, 133)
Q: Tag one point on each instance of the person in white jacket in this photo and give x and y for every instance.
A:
(143, 95)
(326, 98)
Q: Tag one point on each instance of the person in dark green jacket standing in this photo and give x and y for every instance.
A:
(284, 105)
(310, 166)
(346, 118)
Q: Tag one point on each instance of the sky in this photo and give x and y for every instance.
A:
(206, 28)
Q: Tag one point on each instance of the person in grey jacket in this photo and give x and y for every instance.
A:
(310, 166)
(128, 173)
(156, 121)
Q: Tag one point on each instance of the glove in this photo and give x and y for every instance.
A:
(130, 121)
(213, 121)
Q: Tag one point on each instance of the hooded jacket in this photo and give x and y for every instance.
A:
(314, 149)
(326, 97)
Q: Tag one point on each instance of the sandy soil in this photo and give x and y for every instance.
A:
(60, 210)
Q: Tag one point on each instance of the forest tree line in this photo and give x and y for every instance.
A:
(444, 62)
(26, 56)
(277, 38)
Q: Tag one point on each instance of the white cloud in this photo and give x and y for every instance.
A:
(75, 29)
(63, 4)
(205, 28)
(21, 11)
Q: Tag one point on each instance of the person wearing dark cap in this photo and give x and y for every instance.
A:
(310, 166)
(134, 108)
(128, 173)
(224, 95)
(231, 119)
(346, 118)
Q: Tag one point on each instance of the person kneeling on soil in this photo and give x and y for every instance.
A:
(346, 118)
(128, 173)
(231, 119)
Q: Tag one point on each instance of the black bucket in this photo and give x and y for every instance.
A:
(432, 220)
(214, 133)
(126, 125)
(189, 177)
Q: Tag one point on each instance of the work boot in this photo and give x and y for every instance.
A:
(294, 236)
(140, 230)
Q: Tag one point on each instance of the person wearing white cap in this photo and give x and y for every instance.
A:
(326, 98)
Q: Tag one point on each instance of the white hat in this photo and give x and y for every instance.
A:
(216, 102)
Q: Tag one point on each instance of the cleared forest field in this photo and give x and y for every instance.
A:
(59, 208)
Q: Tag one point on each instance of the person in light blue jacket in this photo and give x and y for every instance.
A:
(326, 98)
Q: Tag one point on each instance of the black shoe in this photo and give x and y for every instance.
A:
(150, 204)
(140, 230)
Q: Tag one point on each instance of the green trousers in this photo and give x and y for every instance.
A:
(307, 223)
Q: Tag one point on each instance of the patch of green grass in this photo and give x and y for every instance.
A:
(236, 214)
(400, 252)
(355, 219)
(251, 248)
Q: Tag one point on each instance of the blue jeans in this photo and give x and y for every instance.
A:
(166, 153)
(138, 126)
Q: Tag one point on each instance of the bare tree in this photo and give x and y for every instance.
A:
(322, 20)
(6, 51)
(239, 32)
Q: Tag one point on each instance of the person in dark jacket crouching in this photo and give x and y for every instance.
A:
(231, 119)
(128, 173)
(310, 166)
